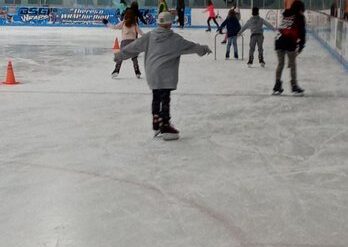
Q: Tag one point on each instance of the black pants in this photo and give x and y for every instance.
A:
(161, 104)
(181, 17)
(214, 20)
(124, 43)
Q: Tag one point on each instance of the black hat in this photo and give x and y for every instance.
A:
(297, 6)
(255, 11)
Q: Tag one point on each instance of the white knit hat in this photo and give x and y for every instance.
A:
(164, 18)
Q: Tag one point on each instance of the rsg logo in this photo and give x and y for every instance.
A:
(33, 11)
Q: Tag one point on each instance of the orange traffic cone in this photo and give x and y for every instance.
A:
(116, 45)
(10, 77)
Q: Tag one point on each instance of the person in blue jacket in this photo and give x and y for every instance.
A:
(233, 27)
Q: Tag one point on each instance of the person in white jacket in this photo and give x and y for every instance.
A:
(130, 32)
(163, 49)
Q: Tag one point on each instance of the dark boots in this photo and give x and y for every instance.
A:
(137, 71)
(116, 71)
(167, 131)
(262, 61)
(296, 90)
(278, 89)
(250, 62)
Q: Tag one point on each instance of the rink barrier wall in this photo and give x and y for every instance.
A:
(331, 32)
(332, 51)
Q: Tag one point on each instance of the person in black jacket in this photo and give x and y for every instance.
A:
(233, 27)
(333, 9)
(135, 7)
(290, 41)
(180, 8)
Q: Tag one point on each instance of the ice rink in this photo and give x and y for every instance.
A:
(79, 166)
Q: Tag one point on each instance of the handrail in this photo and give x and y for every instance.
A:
(215, 38)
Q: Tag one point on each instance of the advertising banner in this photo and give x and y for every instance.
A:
(45, 16)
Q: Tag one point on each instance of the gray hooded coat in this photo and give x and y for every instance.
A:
(163, 49)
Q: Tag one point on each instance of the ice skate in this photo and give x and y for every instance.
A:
(208, 30)
(278, 89)
(223, 42)
(169, 133)
(116, 71)
(156, 122)
(227, 56)
(296, 90)
(250, 63)
(262, 62)
(137, 71)
(114, 75)
(236, 55)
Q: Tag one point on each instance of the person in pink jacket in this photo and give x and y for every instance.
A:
(130, 32)
(212, 16)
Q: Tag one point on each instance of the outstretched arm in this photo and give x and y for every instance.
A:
(245, 27)
(118, 26)
(134, 48)
(302, 26)
(188, 47)
(223, 24)
(269, 25)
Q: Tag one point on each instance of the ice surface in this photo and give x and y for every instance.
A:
(79, 166)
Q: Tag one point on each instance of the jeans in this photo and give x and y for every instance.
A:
(161, 104)
(256, 39)
(292, 64)
(232, 40)
(124, 43)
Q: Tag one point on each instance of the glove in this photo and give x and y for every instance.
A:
(105, 21)
(207, 50)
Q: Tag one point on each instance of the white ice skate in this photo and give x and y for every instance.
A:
(170, 136)
(114, 75)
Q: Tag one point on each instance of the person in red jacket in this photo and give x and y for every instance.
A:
(212, 16)
(290, 42)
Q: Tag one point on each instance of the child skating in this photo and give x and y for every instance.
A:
(255, 24)
(163, 49)
(238, 16)
(290, 42)
(233, 27)
(212, 16)
(130, 31)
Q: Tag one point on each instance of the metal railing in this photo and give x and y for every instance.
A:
(215, 38)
